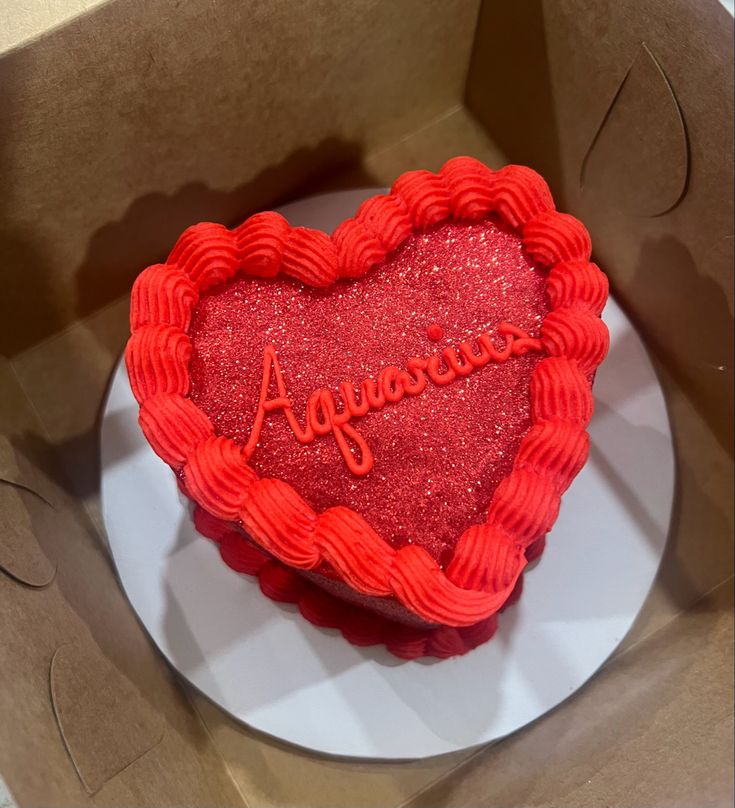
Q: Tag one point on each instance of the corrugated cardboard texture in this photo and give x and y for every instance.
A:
(128, 124)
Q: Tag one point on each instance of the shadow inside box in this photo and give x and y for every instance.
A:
(119, 250)
(201, 626)
(617, 440)
(185, 626)
(689, 324)
(523, 52)
(148, 230)
(203, 635)
(122, 437)
(74, 463)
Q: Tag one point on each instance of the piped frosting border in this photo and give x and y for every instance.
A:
(489, 557)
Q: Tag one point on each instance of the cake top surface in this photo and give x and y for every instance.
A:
(180, 376)
(439, 455)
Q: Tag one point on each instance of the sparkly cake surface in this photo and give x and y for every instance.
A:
(438, 455)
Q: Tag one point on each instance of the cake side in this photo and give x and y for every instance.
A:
(488, 557)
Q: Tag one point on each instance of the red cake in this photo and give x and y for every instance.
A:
(379, 423)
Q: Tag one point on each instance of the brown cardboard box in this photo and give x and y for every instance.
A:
(123, 126)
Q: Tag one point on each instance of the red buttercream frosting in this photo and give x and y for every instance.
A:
(461, 601)
(358, 626)
(163, 294)
(429, 429)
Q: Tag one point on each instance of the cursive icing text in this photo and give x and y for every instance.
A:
(327, 415)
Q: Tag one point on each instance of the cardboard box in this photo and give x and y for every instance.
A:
(124, 125)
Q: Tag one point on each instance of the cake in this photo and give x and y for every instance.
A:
(379, 423)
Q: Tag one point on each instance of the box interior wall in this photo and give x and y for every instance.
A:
(128, 123)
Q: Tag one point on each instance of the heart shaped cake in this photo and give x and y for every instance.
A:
(379, 423)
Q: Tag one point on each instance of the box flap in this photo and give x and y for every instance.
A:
(638, 159)
(104, 721)
(564, 89)
(136, 120)
(112, 692)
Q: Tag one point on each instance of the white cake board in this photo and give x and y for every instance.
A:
(267, 666)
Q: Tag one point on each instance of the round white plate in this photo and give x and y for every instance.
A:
(267, 666)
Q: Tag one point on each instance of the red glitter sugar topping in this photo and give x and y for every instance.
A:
(222, 477)
(439, 455)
